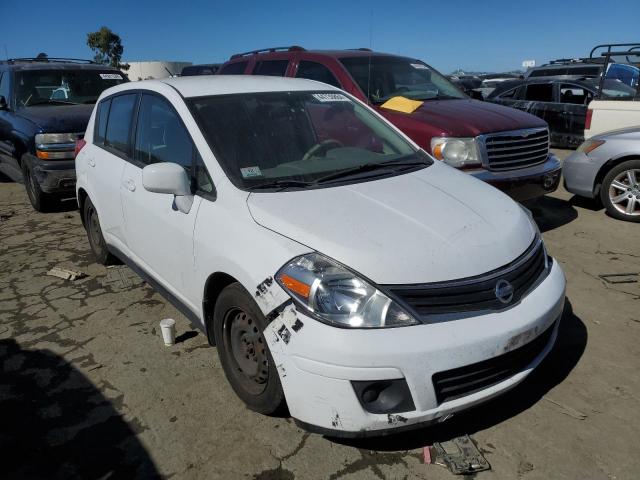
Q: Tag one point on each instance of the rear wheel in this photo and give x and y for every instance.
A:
(238, 327)
(40, 200)
(620, 192)
(94, 234)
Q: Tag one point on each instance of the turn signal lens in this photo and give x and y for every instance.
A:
(294, 285)
(437, 151)
(589, 146)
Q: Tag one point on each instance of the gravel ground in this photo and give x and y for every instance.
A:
(88, 389)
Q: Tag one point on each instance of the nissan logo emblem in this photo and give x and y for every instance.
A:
(504, 291)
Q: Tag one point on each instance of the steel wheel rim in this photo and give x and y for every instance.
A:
(247, 350)
(624, 192)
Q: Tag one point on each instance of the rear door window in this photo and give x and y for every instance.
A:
(539, 92)
(119, 123)
(574, 94)
(316, 71)
(236, 68)
(272, 68)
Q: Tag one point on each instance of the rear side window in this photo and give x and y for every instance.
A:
(234, 69)
(4, 85)
(574, 94)
(510, 94)
(101, 122)
(272, 68)
(161, 136)
(119, 123)
(316, 71)
(540, 92)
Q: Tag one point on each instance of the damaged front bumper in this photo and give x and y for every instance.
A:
(322, 368)
(524, 183)
(54, 176)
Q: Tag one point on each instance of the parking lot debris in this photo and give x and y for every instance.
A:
(614, 278)
(460, 455)
(66, 274)
(567, 410)
(6, 216)
(168, 327)
(426, 455)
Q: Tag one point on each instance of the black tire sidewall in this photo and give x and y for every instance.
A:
(36, 196)
(604, 190)
(271, 400)
(100, 250)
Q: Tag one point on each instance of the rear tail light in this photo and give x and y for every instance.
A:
(587, 121)
(79, 144)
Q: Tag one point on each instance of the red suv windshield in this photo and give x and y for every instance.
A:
(384, 77)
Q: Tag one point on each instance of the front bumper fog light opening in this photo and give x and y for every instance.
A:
(550, 180)
(384, 396)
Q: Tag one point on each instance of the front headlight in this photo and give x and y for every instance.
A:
(337, 296)
(457, 152)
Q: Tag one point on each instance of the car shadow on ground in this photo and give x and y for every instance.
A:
(55, 423)
(550, 212)
(569, 347)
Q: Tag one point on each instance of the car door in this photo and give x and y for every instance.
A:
(7, 148)
(574, 100)
(160, 237)
(105, 159)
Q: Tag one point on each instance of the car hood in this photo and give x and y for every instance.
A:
(58, 118)
(432, 225)
(467, 118)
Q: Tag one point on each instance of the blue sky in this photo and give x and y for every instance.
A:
(475, 35)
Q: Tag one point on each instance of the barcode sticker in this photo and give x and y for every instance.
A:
(111, 76)
(330, 97)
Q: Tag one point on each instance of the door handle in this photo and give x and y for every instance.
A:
(91, 162)
(131, 185)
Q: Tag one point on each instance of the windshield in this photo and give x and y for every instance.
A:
(299, 138)
(622, 78)
(57, 87)
(384, 77)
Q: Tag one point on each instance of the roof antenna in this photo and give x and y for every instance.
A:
(370, 52)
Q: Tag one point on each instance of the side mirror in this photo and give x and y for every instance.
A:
(169, 178)
(3, 103)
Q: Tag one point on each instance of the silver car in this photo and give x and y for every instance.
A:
(608, 166)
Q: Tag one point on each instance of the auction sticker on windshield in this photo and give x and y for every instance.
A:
(249, 172)
(110, 76)
(419, 66)
(330, 97)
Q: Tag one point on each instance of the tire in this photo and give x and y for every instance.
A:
(94, 234)
(41, 201)
(238, 327)
(620, 191)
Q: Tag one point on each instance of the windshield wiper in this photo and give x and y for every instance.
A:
(367, 167)
(281, 184)
(50, 101)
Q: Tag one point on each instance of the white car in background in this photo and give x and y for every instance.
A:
(335, 265)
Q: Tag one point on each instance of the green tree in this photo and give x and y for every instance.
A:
(107, 47)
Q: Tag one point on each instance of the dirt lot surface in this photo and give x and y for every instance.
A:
(88, 390)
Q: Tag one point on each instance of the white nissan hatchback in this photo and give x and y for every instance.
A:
(338, 268)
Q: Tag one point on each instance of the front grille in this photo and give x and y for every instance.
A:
(458, 382)
(475, 293)
(516, 149)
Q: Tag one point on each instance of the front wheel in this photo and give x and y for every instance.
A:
(238, 327)
(41, 201)
(620, 192)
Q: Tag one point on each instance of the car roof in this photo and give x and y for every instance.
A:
(27, 65)
(348, 53)
(205, 85)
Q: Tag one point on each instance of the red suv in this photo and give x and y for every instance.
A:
(506, 147)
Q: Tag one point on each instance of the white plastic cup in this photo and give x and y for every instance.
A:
(168, 327)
